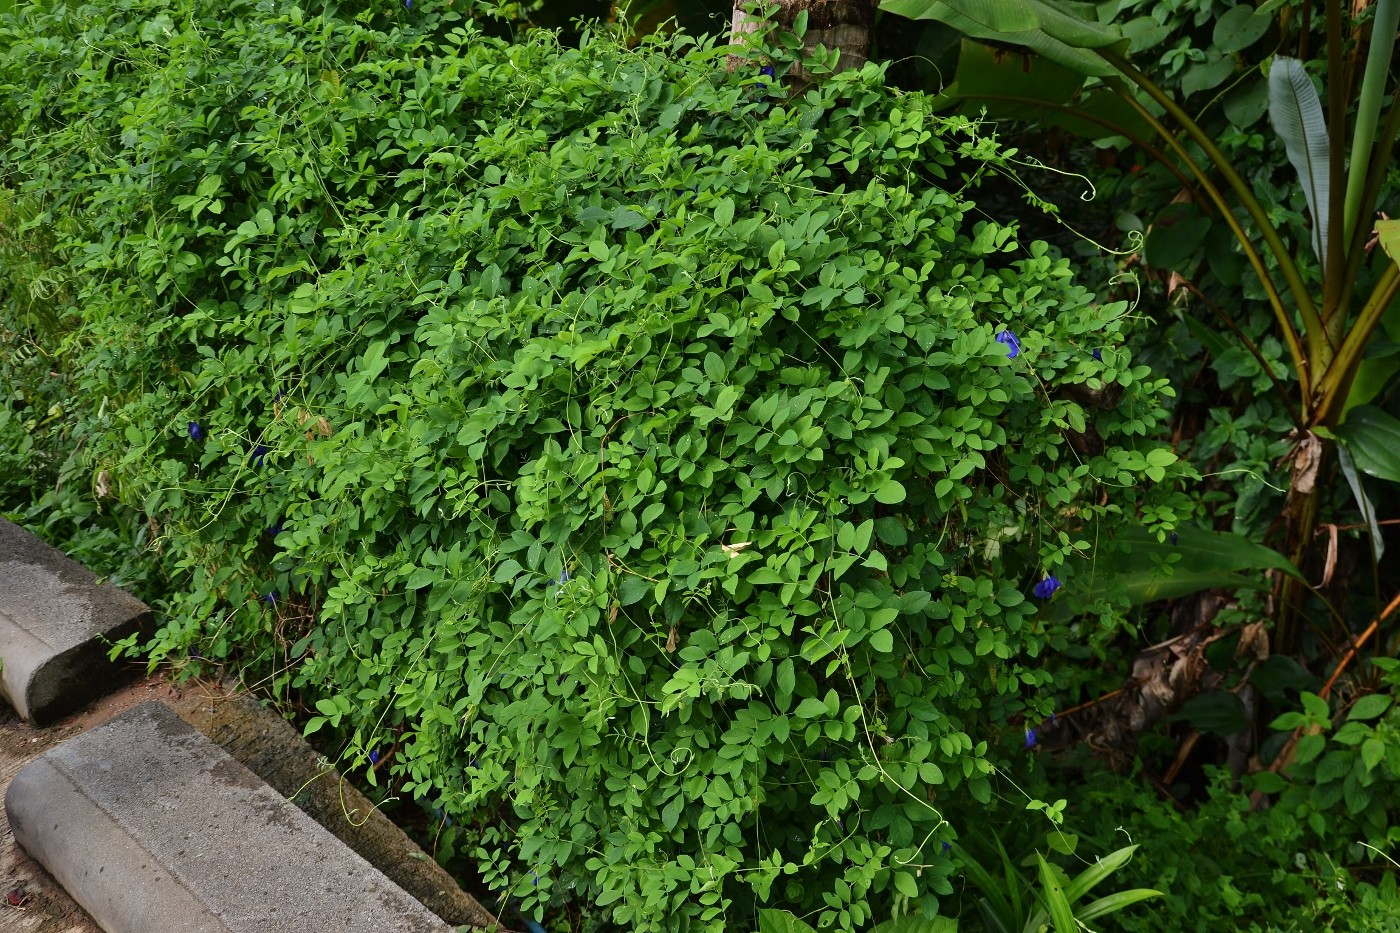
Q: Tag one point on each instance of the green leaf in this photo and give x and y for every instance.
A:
(1151, 570)
(781, 921)
(1239, 27)
(1039, 25)
(1061, 914)
(1219, 712)
(1363, 501)
(1373, 438)
(1389, 233)
(724, 212)
(1115, 902)
(882, 641)
(890, 493)
(786, 676)
(1203, 76)
(1370, 706)
(811, 708)
(1097, 872)
(1173, 244)
(1299, 121)
(1279, 673)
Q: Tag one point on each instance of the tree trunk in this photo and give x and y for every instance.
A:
(847, 25)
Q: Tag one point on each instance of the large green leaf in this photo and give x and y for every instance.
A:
(1015, 86)
(1199, 559)
(1219, 712)
(1373, 437)
(1299, 121)
(1050, 29)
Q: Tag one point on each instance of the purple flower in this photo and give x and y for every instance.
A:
(1011, 341)
(1047, 587)
(196, 432)
(768, 71)
(374, 756)
(259, 456)
(1030, 738)
(1098, 354)
(270, 597)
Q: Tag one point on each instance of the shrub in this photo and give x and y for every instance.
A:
(653, 473)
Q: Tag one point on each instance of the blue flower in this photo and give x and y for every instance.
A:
(1030, 738)
(274, 530)
(535, 878)
(374, 756)
(270, 597)
(1047, 587)
(1098, 354)
(947, 846)
(196, 432)
(408, 4)
(768, 71)
(1012, 342)
(563, 576)
(259, 456)
(1175, 538)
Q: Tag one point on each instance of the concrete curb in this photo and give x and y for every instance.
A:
(150, 826)
(56, 622)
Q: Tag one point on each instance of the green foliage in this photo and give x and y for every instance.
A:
(1011, 902)
(632, 453)
(1228, 865)
(1345, 768)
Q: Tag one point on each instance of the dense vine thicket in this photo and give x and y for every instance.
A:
(660, 477)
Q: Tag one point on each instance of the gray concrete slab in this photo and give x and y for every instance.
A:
(150, 826)
(56, 625)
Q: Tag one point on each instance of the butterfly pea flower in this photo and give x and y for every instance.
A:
(270, 597)
(1047, 587)
(259, 456)
(1030, 738)
(374, 756)
(1098, 354)
(196, 432)
(1011, 342)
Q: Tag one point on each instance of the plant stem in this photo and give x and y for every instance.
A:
(1335, 382)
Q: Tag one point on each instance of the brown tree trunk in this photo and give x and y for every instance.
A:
(846, 25)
